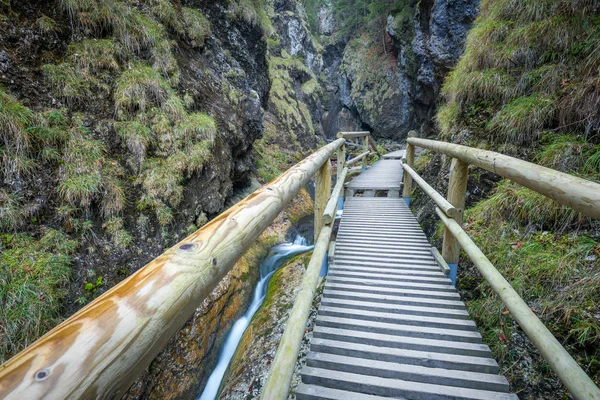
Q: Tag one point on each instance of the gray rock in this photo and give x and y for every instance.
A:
(5, 61)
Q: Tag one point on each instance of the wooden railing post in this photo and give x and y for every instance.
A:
(341, 160)
(457, 191)
(322, 193)
(410, 160)
(365, 150)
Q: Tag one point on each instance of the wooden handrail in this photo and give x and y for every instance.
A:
(99, 351)
(280, 376)
(545, 181)
(439, 200)
(357, 158)
(331, 208)
(577, 193)
(353, 135)
(570, 373)
(282, 369)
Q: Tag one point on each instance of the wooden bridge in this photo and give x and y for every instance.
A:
(390, 324)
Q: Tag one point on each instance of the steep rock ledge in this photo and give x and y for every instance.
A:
(390, 79)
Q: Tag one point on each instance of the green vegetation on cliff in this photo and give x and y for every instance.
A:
(116, 83)
(33, 274)
(527, 85)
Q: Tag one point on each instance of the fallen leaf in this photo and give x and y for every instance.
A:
(505, 312)
(502, 337)
(517, 245)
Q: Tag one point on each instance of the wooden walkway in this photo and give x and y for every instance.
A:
(395, 155)
(383, 175)
(390, 324)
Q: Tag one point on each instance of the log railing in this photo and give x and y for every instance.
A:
(579, 194)
(99, 351)
(280, 376)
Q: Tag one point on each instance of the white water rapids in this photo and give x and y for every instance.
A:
(275, 259)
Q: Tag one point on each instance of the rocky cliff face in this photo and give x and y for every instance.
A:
(389, 79)
(127, 125)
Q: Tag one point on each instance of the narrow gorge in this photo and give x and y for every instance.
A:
(126, 125)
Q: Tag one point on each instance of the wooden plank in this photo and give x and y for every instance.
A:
(386, 301)
(103, 348)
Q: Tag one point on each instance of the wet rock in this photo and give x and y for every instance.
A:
(5, 61)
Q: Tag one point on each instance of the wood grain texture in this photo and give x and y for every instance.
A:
(457, 192)
(580, 194)
(322, 195)
(100, 350)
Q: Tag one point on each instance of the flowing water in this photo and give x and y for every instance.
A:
(277, 256)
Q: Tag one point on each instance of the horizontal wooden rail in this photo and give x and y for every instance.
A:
(353, 135)
(440, 260)
(441, 202)
(580, 194)
(357, 158)
(332, 204)
(103, 348)
(570, 373)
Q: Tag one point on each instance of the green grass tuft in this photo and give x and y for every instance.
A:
(197, 27)
(15, 118)
(120, 237)
(138, 89)
(33, 278)
(522, 120)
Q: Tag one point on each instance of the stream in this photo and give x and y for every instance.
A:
(277, 256)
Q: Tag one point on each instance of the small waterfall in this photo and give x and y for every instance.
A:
(276, 258)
